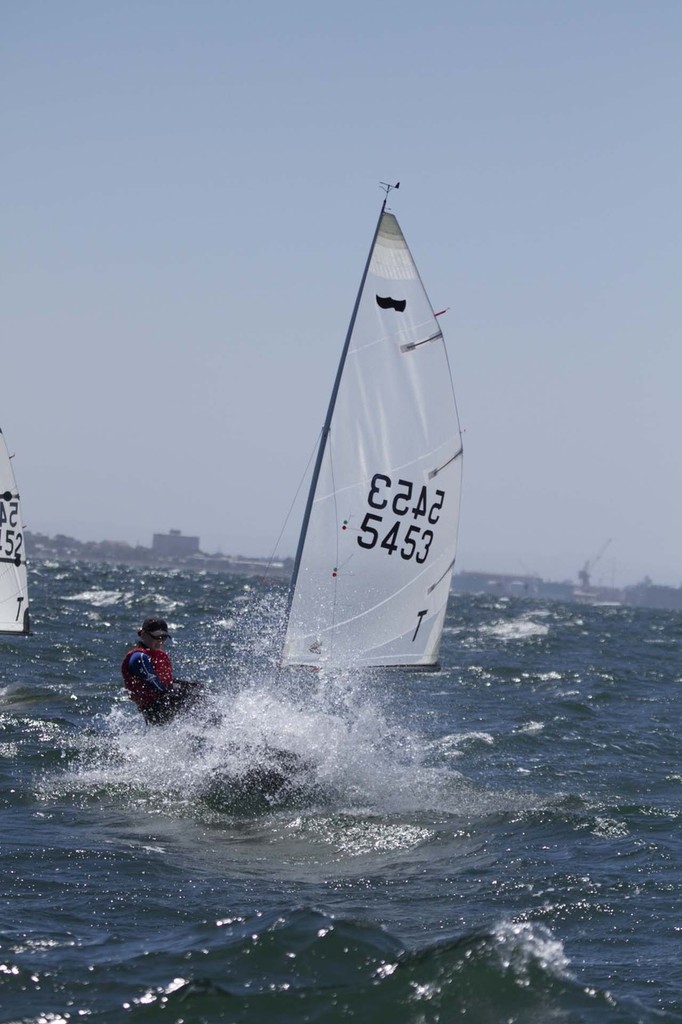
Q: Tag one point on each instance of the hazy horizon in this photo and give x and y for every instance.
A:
(597, 575)
(190, 191)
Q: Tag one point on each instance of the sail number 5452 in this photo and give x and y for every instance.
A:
(11, 539)
(401, 500)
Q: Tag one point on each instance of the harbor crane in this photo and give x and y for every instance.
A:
(584, 574)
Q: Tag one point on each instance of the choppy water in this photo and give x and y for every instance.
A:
(498, 842)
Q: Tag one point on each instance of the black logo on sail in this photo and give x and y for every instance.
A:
(388, 303)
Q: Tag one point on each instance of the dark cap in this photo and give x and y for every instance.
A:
(154, 627)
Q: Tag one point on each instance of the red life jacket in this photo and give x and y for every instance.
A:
(144, 694)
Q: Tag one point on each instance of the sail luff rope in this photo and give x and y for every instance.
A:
(336, 562)
(291, 508)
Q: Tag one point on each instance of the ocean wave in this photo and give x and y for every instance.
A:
(303, 964)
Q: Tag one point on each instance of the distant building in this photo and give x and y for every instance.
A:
(496, 583)
(649, 595)
(174, 545)
(554, 590)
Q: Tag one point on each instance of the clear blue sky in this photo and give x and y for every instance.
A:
(189, 189)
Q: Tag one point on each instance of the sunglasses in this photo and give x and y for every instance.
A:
(159, 636)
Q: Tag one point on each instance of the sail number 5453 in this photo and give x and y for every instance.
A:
(400, 499)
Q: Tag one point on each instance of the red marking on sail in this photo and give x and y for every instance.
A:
(442, 311)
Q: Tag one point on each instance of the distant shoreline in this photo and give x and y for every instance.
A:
(62, 548)
(108, 552)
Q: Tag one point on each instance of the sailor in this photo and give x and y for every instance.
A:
(148, 676)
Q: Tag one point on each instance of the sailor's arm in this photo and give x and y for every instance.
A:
(140, 666)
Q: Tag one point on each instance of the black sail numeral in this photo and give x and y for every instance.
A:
(399, 501)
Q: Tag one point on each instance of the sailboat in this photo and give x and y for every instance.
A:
(377, 547)
(14, 613)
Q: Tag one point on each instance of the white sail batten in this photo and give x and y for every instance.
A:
(375, 561)
(14, 614)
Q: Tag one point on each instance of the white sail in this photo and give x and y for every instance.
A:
(14, 615)
(374, 565)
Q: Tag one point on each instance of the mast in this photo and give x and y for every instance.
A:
(330, 411)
